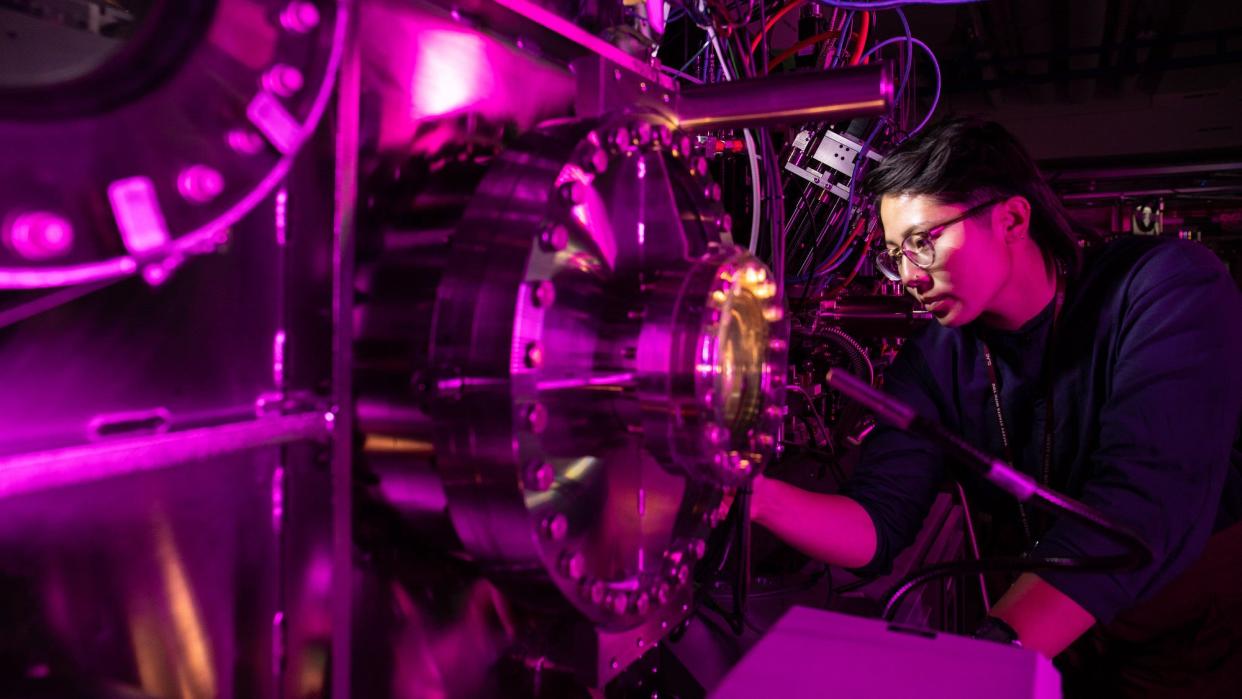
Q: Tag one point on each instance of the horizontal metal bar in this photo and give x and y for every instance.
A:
(1140, 171)
(836, 95)
(58, 468)
(1163, 191)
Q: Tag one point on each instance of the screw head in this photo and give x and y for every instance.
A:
(536, 417)
(542, 475)
(598, 160)
(596, 591)
(620, 602)
(543, 294)
(554, 239)
(573, 565)
(642, 603)
(573, 192)
(534, 355)
(621, 138)
(245, 141)
(283, 80)
(39, 235)
(300, 17)
(200, 184)
(698, 547)
(715, 434)
(556, 527)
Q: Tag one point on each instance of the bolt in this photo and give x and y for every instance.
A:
(681, 574)
(642, 604)
(642, 87)
(554, 239)
(596, 591)
(543, 475)
(666, 98)
(573, 192)
(39, 235)
(556, 526)
(534, 355)
(620, 602)
(639, 642)
(543, 294)
(614, 664)
(715, 434)
(621, 138)
(574, 565)
(200, 184)
(283, 80)
(599, 160)
(245, 142)
(300, 17)
(536, 417)
(616, 73)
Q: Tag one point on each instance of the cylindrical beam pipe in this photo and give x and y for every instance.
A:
(790, 98)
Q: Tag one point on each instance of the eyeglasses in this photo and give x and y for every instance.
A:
(919, 248)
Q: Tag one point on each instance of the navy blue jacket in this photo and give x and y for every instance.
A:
(1147, 395)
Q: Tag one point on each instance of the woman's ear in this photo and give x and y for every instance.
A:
(1014, 216)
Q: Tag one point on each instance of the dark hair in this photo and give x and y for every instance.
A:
(965, 160)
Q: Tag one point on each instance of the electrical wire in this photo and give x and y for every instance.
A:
(756, 194)
(767, 26)
(809, 41)
(862, 39)
(680, 74)
(935, 66)
(706, 45)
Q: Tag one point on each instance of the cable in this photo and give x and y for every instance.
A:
(678, 73)
(767, 27)
(862, 39)
(809, 41)
(756, 194)
(706, 45)
(935, 66)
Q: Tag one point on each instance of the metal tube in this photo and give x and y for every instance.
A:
(33, 472)
(790, 98)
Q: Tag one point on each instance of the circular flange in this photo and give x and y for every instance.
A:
(157, 169)
(589, 274)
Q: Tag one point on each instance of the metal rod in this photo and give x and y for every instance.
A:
(57, 468)
(790, 98)
(344, 230)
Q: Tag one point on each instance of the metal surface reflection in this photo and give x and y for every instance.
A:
(594, 364)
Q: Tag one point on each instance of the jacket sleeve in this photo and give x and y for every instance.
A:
(898, 473)
(1165, 430)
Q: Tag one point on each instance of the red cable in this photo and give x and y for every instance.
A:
(862, 39)
(784, 55)
(754, 44)
(862, 221)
